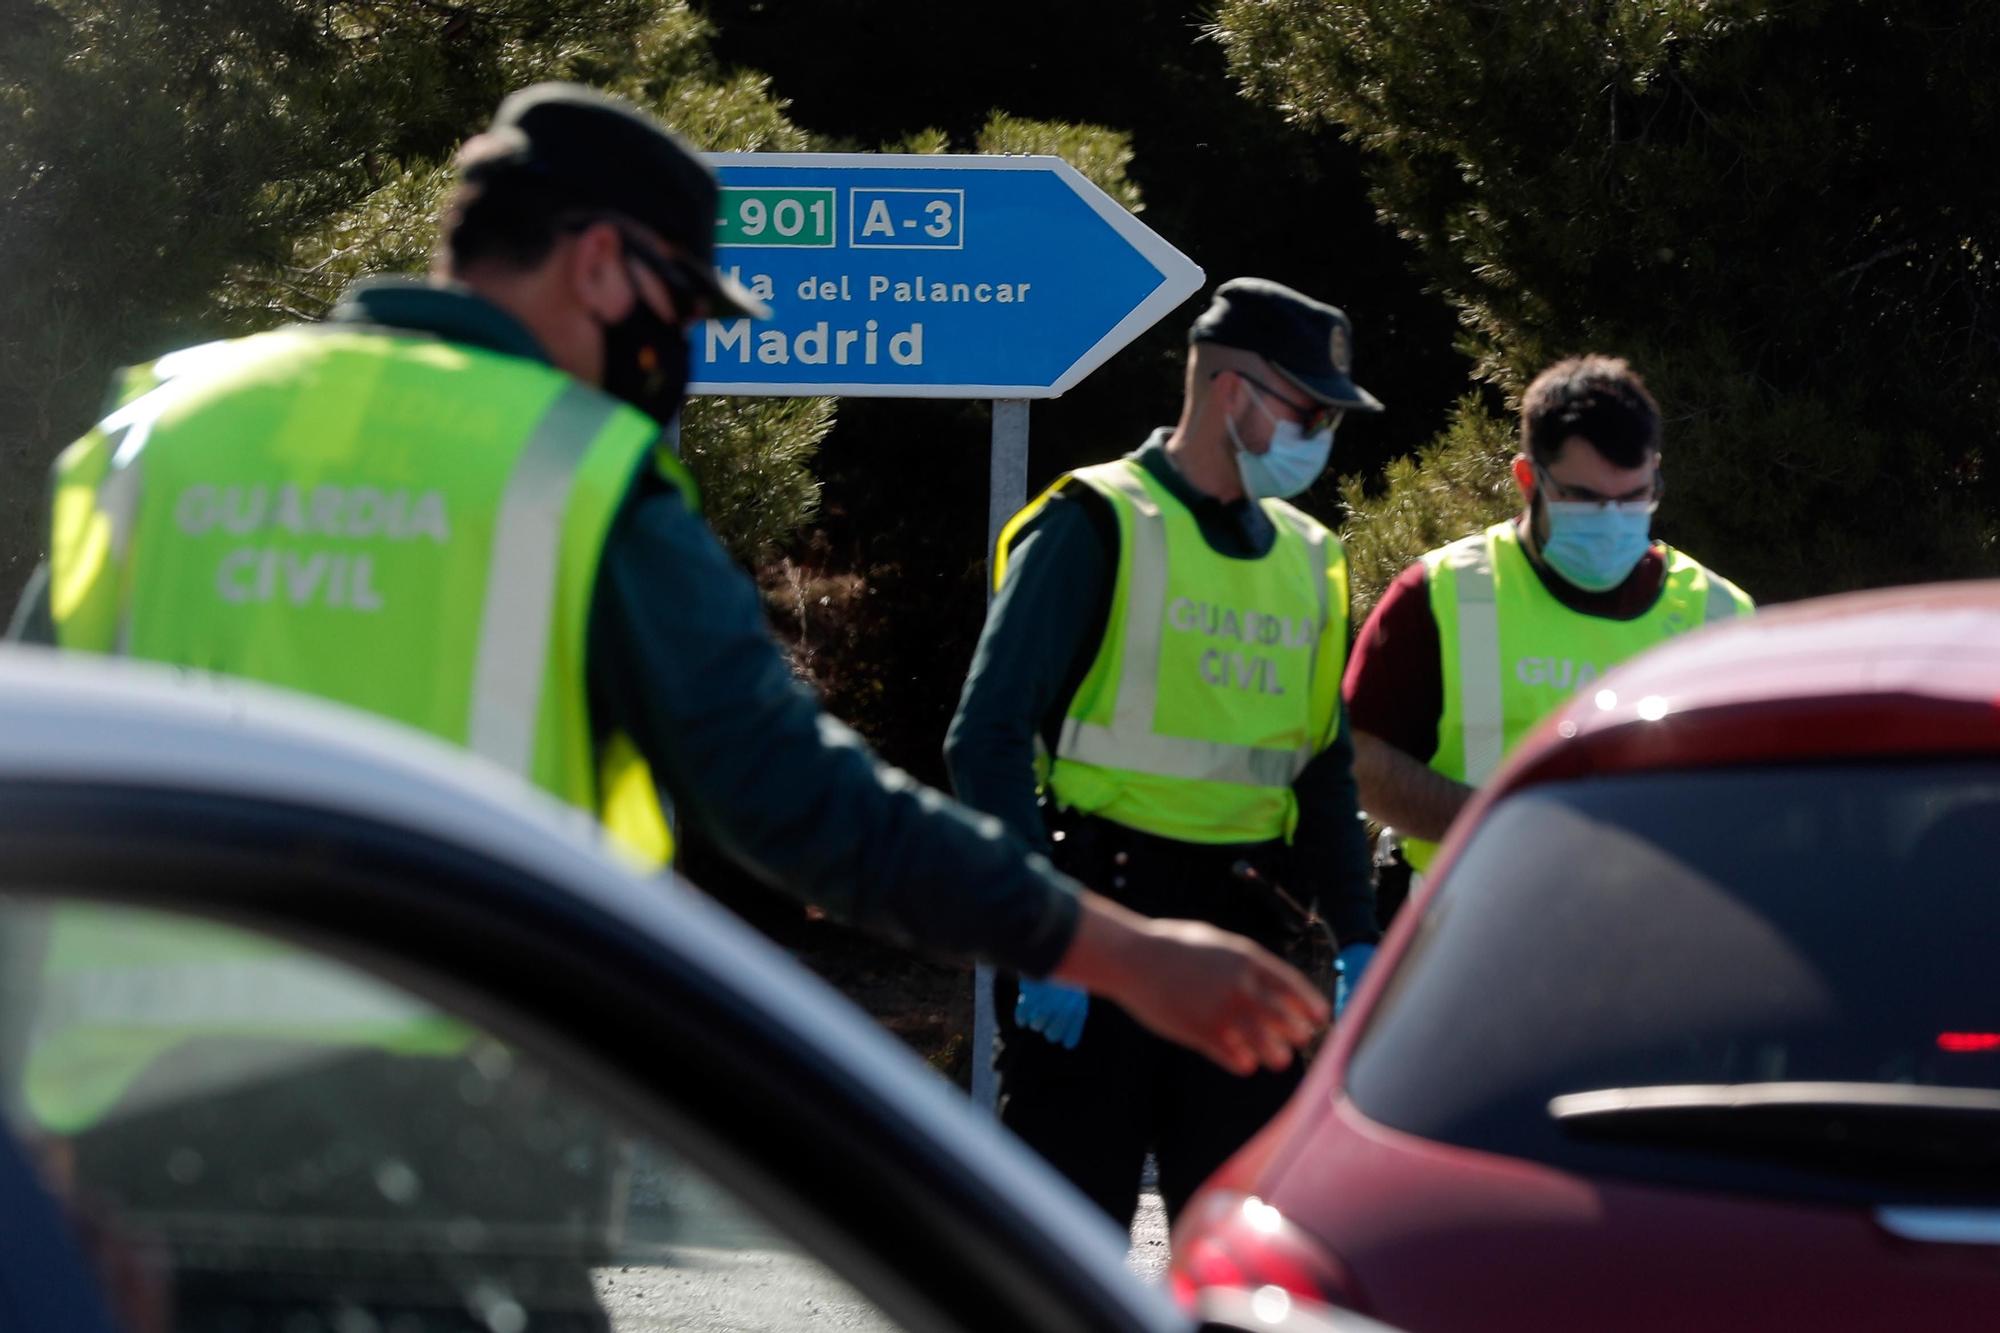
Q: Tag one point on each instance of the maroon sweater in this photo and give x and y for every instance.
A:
(1394, 685)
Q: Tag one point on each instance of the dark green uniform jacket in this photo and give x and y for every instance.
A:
(680, 660)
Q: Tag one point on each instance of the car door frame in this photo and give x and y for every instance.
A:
(687, 1039)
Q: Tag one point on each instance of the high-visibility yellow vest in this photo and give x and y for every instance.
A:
(1217, 680)
(1512, 653)
(404, 525)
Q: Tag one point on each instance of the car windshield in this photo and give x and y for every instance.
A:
(1772, 979)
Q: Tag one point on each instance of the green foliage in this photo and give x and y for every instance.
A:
(923, 141)
(150, 146)
(392, 229)
(176, 171)
(1782, 212)
(753, 459)
(1457, 484)
(1102, 156)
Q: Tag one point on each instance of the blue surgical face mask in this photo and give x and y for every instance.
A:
(1290, 465)
(1595, 546)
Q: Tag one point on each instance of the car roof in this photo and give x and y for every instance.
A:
(1898, 671)
(103, 722)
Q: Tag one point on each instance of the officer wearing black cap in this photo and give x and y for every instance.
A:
(523, 569)
(1155, 701)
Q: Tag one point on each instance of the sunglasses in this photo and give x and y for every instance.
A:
(683, 283)
(682, 280)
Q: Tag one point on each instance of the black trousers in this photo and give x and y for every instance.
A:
(1096, 1111)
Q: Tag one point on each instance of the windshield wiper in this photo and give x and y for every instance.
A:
(1864, 1127)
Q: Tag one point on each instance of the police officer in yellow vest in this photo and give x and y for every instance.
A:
(1471, 646)
(1162, 663)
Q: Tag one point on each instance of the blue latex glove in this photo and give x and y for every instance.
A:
(1052, 1009)
(1354, 960)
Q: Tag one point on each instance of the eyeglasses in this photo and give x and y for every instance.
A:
(1312, 417)
(1648, 495)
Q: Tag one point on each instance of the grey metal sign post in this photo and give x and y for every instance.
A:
(1007, 491)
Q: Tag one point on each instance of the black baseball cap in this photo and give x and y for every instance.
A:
(603, 152)
(1309, 342)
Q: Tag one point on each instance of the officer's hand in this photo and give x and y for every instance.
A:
(1204, 988)
(1353, 961)
(1052, 1009)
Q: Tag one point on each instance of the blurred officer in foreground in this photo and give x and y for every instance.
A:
(1162, 664)
(1479, 640)
(449, 504)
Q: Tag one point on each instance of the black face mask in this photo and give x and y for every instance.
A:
(646, 361)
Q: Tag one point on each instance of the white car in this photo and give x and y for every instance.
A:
(314, 1023)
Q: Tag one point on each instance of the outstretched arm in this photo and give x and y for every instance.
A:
(682, 661)
(1405, 793)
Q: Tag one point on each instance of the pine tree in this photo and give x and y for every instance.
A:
(1783, 213)
(177, 170)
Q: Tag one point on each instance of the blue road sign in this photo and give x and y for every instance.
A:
(915, 276)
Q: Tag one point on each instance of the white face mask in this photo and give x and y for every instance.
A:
(1597, 546)
(1292, 462)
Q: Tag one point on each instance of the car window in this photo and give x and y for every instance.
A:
(257, 1137)
(1771, 926)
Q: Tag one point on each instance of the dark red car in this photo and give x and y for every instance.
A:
(1697, 1024)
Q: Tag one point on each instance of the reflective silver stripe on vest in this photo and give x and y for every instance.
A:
(1721, 605)
(1130, 741)
(517, 619)
(286, 993)
(118, 495)
(1315, 538)
(1479, 684)
(118, 500)
(1177, 756)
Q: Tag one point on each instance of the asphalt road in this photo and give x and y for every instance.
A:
(692, 1289)
(693, 1262)
(1148, 1256)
